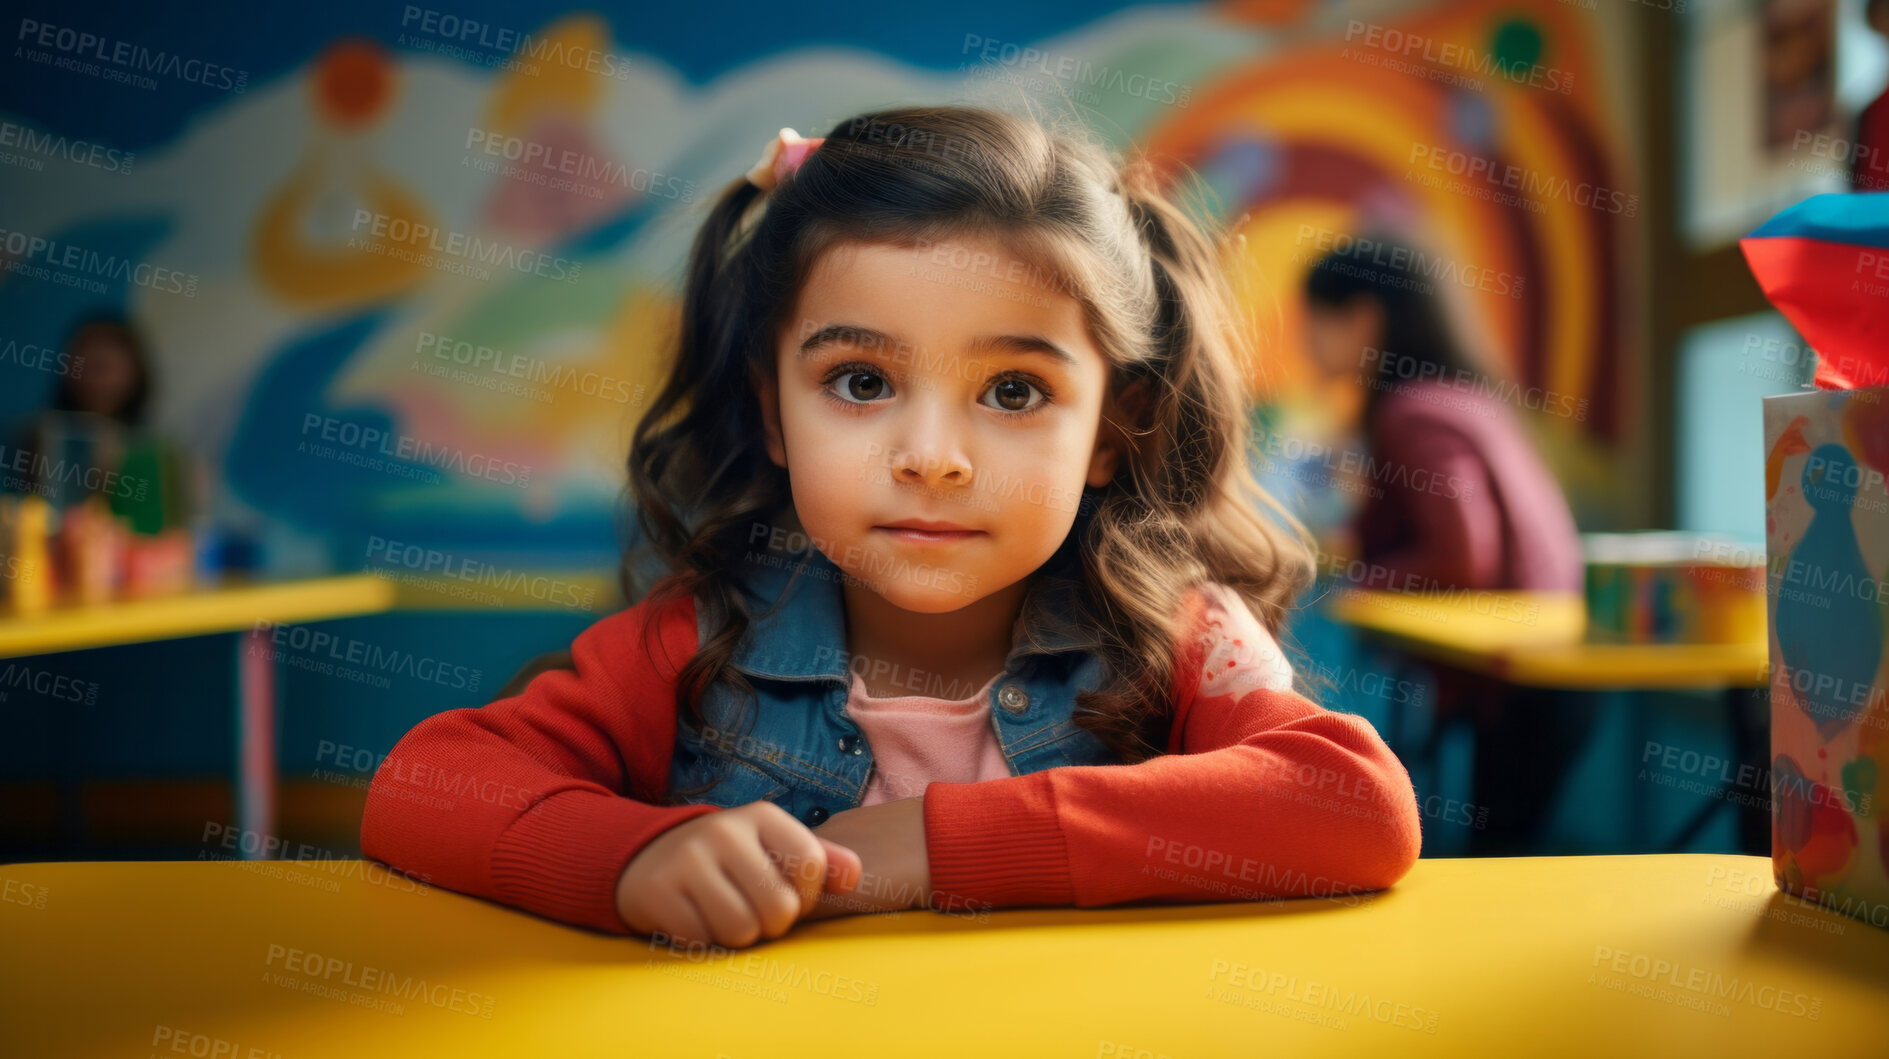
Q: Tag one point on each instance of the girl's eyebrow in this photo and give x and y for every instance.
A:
(867, 336)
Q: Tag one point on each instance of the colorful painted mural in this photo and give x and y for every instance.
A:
(424, 262)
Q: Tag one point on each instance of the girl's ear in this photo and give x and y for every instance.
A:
(768, 394)
(1112, 442)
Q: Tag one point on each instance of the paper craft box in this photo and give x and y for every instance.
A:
(1827, 577)
(1826, 451)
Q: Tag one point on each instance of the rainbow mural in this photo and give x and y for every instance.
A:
(1477, 129)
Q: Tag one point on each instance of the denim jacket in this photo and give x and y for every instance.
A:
(801, 751)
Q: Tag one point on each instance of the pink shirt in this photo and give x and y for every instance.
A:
(917, 739)
(1461, 499)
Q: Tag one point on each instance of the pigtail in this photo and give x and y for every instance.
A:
(1210, 358)
(697, 475)
(1190, 495)
(703, 325)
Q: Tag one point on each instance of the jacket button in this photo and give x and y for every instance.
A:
(816, 814)
(849, 744)
(1013, 698)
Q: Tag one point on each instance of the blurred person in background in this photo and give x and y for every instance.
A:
(70, 449)
(1869, 164)
(92, 441)
(110, 374)
(1457, 496)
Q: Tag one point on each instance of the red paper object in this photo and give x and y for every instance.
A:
(1824, 263)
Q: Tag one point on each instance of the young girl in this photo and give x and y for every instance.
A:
(966, 582)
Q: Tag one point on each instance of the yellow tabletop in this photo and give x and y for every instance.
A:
(233, 608)
(499, 588)
(1619, 955)
(1535, 639)
(199, 613)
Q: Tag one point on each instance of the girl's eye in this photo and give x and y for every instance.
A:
(859, 387)
(1013, 395)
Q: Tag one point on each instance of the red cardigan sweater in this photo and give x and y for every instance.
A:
(1262, 794)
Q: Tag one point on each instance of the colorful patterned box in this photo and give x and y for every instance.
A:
(1821, 263)
(1663, 586)
(1827, 551)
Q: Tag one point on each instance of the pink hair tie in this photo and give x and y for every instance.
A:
(783, 155)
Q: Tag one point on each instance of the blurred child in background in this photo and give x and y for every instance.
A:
(1457, 496)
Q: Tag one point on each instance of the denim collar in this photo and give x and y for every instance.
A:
(804, 637)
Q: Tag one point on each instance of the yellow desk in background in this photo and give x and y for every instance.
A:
(249, 610)
(1537, 640)
(1676, 955)
(244, 609)
(205, 611)
(239, 607)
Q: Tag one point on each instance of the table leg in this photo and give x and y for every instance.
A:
(1526, 740)
(1749, 712)
(255, 741)
(69, 785)
(1756, 706)
(1637, 800)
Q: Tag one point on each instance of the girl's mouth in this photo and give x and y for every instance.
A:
(919, 536)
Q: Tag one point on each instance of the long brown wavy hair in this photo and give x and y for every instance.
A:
(1184, 505)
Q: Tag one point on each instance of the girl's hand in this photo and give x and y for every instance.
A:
(890, 841)
(732, 878)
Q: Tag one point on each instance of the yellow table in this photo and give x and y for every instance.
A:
(1679, 955)
(246, 609)
(239, 607)
(233, 608)
(1535, 640)
(250, 610)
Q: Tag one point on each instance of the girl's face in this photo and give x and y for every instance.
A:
(935, 383)
(107, 373)
(1337, 336)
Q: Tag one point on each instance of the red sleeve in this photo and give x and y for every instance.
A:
(1455, 520)
(1268, 796)
(522, 801)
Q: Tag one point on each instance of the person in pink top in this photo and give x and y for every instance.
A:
(1456, 498)
(1869, 159)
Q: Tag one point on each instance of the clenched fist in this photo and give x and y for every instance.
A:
(732, 878)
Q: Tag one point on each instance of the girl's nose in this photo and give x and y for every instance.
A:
(932, 454)
(921, 469)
